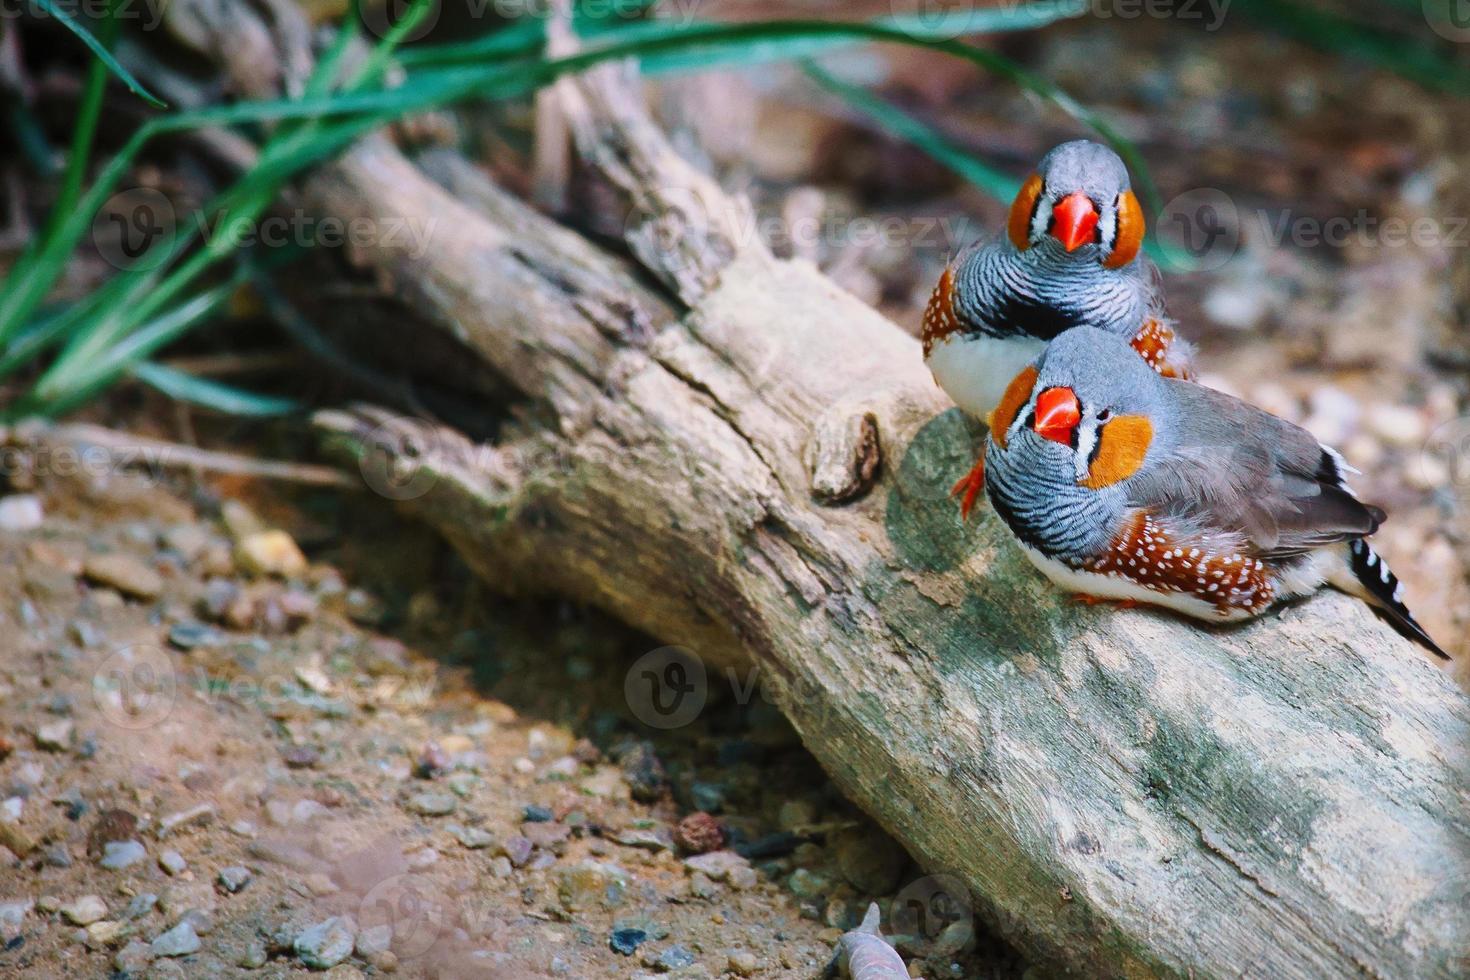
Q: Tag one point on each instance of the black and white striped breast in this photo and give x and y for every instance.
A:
(1044, 507)
(1005, 293)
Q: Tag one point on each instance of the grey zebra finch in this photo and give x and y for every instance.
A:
(1070, 258)
(1122, 484)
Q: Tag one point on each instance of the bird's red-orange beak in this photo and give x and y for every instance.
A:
(1057, 414)
(1072, 220)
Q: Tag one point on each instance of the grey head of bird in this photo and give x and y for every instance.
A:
(1078, 206)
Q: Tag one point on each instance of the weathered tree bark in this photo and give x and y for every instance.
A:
(754, 465)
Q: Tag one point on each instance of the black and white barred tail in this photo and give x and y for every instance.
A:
(1384, 590)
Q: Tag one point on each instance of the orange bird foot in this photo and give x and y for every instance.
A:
(970, 486)
(1097, 600)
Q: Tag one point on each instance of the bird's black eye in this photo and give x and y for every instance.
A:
(1104, 415)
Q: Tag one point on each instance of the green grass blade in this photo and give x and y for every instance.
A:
(102, 54)
(449, 84)
(88, 112)
(1412, 58)
(227, 399)
(325, 72)
(372, 69)
(522, 39)
(94, 344)
(80, 385)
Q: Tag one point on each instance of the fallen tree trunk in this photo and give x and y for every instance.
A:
(752, 464)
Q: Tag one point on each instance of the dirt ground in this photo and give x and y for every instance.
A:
(219, 756)
(220, 759)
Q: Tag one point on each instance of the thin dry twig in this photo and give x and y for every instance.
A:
(130, 449)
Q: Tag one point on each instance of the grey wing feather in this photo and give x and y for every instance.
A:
(1234, 469)
(1155, 278)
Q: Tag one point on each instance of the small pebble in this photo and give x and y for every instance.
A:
(590, 884)
(21, 512)
(473, 838)
(172, 862)
(12, 915)
(104, 933)
(422, 858)
(254, 956)
(374, 940)
(191, 634)
(327, 943)
(124, 573)
(699, 833)
(433, 761)
(674, 958)
(626, 941)
(219, 595)
(535, 813)
(234, 878)
(644, 772)
(700, 886)
(84, 911)
(431, 804)
(743, 964)
(132, 958)
(717, 864)
(270, 553)
(140, 905)
(808, 885)
(55, 736)
(547, 836)
(119, 854)
(181, 940)
(301, 756)
(517, 849)
(709, 797)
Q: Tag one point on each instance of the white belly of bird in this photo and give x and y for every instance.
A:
(1113, 586)
(974, 371)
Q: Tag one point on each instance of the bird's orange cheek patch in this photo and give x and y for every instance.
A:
(1129, 237)
(1122, 445)
(1018, 225)
(1018, 393)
